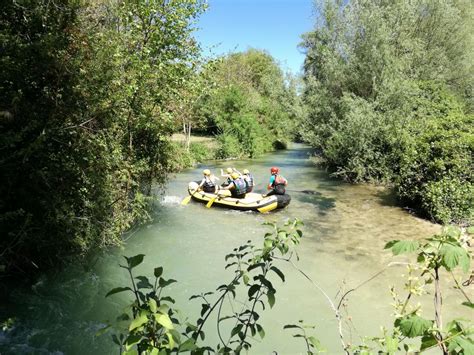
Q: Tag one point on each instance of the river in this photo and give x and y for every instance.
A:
(346, 228)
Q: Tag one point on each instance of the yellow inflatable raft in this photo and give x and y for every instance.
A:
(251, 202)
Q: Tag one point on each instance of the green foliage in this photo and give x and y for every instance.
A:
(84, 114)
(253, 108)
(386, 100)
(413, 325)
(229, 147)
(154, 327)
(313, 345)
(434, 170)
(183, 158)
(447, 251)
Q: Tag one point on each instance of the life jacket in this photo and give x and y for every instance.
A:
(240, 186)
(249, 180)
(279, 180)
(208, 185)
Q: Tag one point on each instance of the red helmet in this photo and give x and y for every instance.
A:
(274, 170)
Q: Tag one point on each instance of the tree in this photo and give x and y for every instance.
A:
(85, 122)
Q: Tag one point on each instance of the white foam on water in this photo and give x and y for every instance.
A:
(171, 200)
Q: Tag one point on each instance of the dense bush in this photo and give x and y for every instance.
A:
(436, 167)
(388, 98)
(85, 92)
(253, 107)
(185, 158)
(229, 147)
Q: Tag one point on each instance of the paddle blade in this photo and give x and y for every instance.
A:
(186, 200)
(211, 201)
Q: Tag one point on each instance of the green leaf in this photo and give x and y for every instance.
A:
(254, 266)
(236, 330)
(461, 344)
(139, 321)
(246, 279)
(153, 305)
(144, 283)
(391, 344)
(468, 304)
(413, 326)
(167, 299)
(315, 342)
(403, 246)
(163, 283)
(188, 345)
(253, 289)
(170, 341)
(268, 243)
(452, 231)
(427, 341)
(158, 271)
(278, 272)
(132, 340)
(390, 244)
(117, 290)
(135, 260)
(271, 298)
(164, 320)
(453, 255)
(103, 330)
(260, 330)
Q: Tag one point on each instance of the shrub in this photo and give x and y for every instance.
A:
(359, 145)
(228, 147)
(436, 167)
(449, 199)
(200, 152)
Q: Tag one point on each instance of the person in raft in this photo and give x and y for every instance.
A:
(249, 180)
(277, 183)
(237, 186)
(227, 175)
(209, 182)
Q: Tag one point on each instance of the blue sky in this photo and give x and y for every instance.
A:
(273, 25)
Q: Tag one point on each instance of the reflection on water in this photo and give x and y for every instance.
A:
(346, 228)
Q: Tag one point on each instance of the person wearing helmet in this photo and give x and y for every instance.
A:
(249, 180)
(227, 175)
(277, 183)
(208, 183)
(237, 186)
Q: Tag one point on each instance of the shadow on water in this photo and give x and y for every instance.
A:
(387, 198)
(322, 203)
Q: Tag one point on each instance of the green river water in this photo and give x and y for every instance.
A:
(346, 228)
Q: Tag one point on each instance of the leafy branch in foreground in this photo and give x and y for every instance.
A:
(446, 251)
(150, 324)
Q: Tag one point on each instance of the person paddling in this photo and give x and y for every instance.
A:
(277, 183)
(208, 183)
(249, 180)
(237, 186)
(227, 175)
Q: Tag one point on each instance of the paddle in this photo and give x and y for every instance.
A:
(211, 201)
(186, 200)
